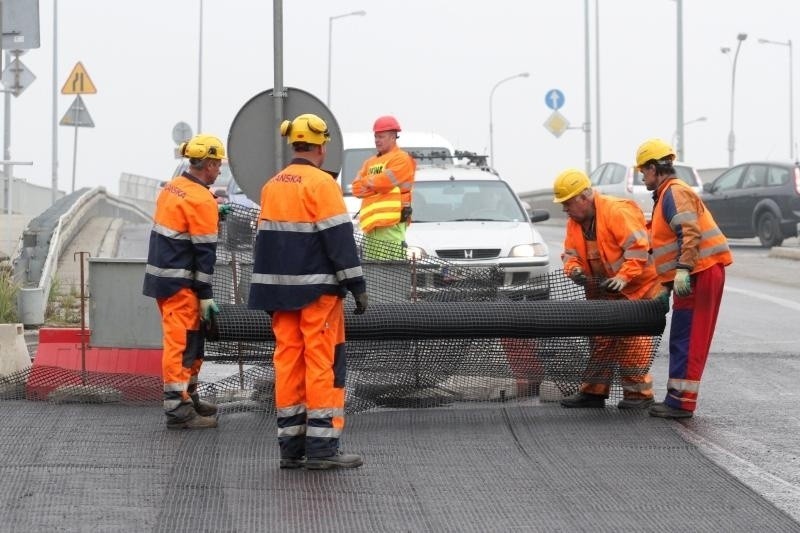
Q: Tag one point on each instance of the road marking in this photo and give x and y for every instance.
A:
(782, 493)
(779, 301)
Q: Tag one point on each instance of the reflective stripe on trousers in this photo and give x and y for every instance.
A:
(309, 365)
(631, 355)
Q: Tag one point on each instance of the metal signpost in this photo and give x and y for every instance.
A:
(556, 123)
(77, 115)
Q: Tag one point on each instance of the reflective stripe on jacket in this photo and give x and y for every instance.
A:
(183, 241)
(384, 185)
(380, 210)
(305, 245)
(683, 232)
(622, 242)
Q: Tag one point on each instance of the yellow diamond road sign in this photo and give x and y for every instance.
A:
(78, 82)
(556, 123)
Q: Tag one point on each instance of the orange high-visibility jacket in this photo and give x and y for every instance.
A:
(683, 232)
(384, 185)
(183, 241)
(623, 244)
(305, 245)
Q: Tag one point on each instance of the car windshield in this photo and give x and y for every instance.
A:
(353, 159)
(449, 201)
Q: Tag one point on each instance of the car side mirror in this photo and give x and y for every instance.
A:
(221, 193)
(539, 215)
(708, 187)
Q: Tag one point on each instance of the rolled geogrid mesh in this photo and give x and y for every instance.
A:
(435, 332)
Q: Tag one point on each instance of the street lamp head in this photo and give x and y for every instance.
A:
(763, 41)
(725, 50)
(359, 13)
(524, 74)
(742, 36)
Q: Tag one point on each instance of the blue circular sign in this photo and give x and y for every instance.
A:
(554, 99)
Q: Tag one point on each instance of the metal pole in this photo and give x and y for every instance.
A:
(54, 134)
(330, 54)
(330, 46)
(791, 104)
(278, 91)
(7, 169)
(200, 74)
(75, 151)
(681, 148)
(731, 136)
(597, 78)
(491, 98)
(587, 125)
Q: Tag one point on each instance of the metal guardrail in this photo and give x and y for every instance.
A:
(543, 199)
(36, 283)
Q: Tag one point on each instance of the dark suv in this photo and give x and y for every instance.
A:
(758, 199)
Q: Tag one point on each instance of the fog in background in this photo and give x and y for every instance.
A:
(431, 63)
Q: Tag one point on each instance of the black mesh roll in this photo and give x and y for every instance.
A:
(429, 320)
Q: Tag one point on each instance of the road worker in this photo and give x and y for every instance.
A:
(180, 264)
(607, 240)
(690, 254)
(305, 262)
(384, 185)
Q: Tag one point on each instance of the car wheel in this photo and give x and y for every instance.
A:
(768, 229)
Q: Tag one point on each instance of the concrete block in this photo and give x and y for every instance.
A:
(14, 354)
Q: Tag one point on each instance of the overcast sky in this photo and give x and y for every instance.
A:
(431, 63)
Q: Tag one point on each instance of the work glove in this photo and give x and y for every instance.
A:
(577, 275)
(663, 297)
(207, 308)
(224, 209)
(361, 303)
(682, 284)
(614, 284)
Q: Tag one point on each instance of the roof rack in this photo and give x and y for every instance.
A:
(442, 156)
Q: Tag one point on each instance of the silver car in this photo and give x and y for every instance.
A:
(625, 181)
(471, 218)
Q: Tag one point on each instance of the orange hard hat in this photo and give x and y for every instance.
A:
(386, 123)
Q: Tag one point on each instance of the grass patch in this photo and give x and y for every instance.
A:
(9, 289)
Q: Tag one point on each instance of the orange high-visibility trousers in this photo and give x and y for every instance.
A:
(631, 354)
(310, 370)
(182, 354)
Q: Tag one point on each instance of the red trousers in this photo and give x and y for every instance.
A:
(694, 318)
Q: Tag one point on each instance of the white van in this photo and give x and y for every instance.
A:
(360, 146)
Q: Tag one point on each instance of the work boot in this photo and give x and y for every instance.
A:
(292, 462)
(582, 399)
(338, 460)
(635, 403)
(662, 410)
(202, 407)
(196, 422)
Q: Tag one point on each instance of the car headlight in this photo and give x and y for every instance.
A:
(536, 249)
(415, 252)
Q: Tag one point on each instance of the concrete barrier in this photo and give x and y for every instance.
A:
(14, 354)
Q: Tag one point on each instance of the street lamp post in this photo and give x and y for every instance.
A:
(491, 100)
(791, 93)
(731, 136)
(330, 46)
(677, 135)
